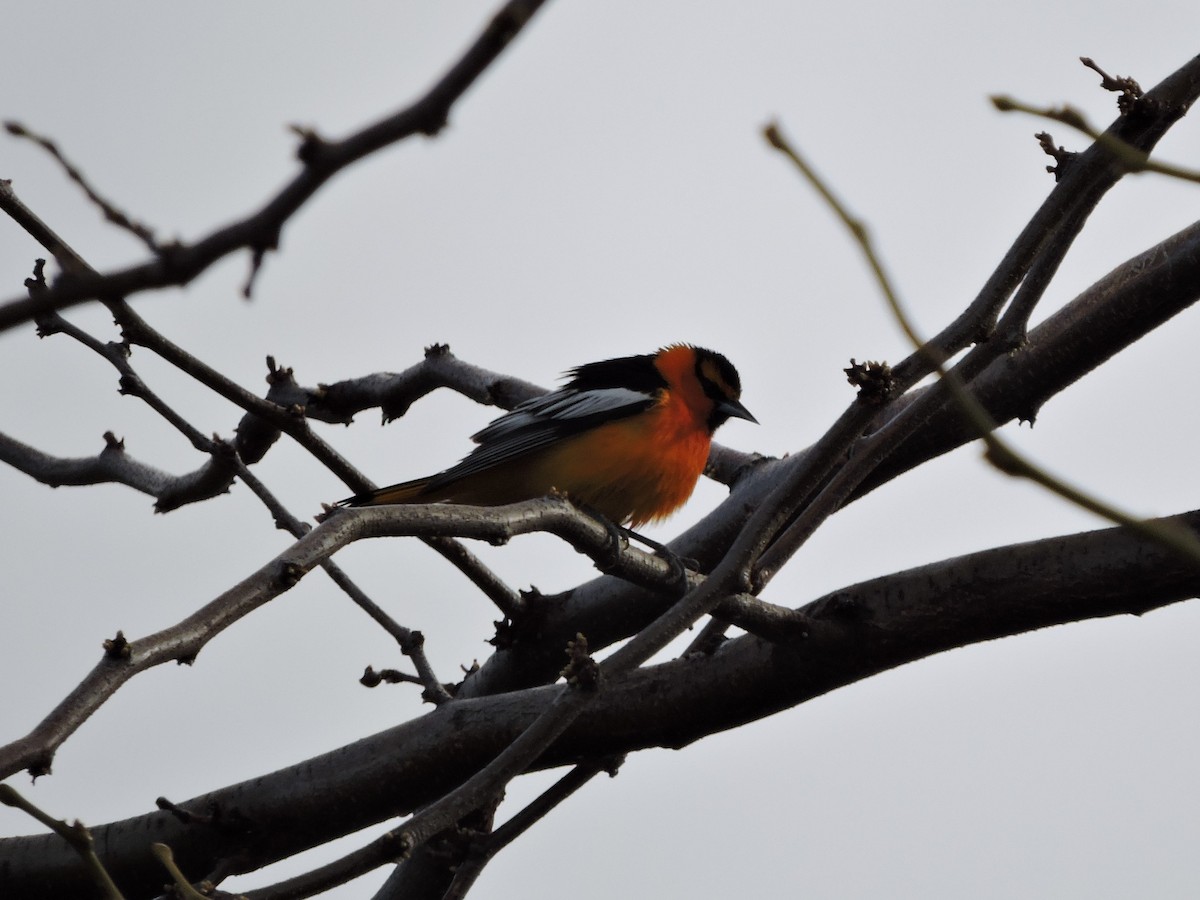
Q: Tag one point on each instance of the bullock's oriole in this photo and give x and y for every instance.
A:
(627, 438)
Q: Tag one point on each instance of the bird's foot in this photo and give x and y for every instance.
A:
(679, 566)
(618, 534)
(611, 554)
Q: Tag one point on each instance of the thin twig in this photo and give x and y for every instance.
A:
(486, 848)
(998, 451)
(1131, 158)
(137, 331)
(111, 212)
(411, 642)
(398, 843)
(183, 887)
(182, 641)
(1138, 296)
(731, 575)
(260, 231)
(75, 834)
(290, 421)
(215, 476)
(507, 600)
(769, 621)
(1049, 234)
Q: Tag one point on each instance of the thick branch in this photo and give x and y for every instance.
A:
(856, 633)
(322, 160)
(1128, 303)
(1112, 315)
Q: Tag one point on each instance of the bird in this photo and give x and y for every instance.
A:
(624, 438)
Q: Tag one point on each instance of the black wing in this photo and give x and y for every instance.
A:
(542, 421)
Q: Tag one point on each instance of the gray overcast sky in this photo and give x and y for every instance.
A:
(604, 190)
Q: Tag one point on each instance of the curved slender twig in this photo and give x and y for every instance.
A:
(321, 159)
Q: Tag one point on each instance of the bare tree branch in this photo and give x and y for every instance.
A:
(856, 632)
(321, 160)
(111, 213)
(1126, 304)
(256, 432)
(1110, 316)
(216, 477)
(76, 835)
(1077, 192)
(510, 717)
(486, 847)
(183, 641)
(411, 643)
(114, 465)
(998, 452)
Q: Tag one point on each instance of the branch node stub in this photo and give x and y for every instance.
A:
(497, 536)
(506, 634)
(185, 816)
(873, 379)
(1131, 93)
(1063, 158)
(428, 695)
(47, 325)
(119, 349)
(311, 146)
(434, 123)
(117, 647)
(113, 444)
(40, 766)
(435, 351)
(258, 253)
(228, 820)
(612, 765)
(399, 841)
(412, 643)
(581, 671)
(37, 281)
(277, 374)
(171, 254)
(50, 323)
(845, 607)
(290, 574)
(129, 385)
(222, 449)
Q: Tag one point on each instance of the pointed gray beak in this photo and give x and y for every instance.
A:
(734, 410)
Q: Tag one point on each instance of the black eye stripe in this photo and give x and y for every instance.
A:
(717, 376)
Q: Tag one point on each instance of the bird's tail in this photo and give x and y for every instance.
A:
(405, 492)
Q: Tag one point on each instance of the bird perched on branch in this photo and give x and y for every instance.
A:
(627, 438)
